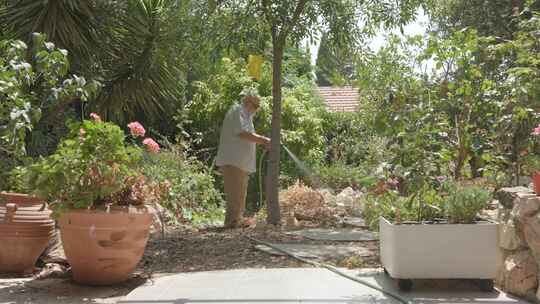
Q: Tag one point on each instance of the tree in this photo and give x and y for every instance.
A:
(336, 64)
(290, 21)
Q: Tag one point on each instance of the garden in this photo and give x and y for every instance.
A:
(110, 121)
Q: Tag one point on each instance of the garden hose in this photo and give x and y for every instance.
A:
(260, 178)
(334, 270)
(314, 263)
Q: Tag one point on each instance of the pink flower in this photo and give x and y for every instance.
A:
(393, 182)
(536, 131)
(95, 117)
(136, 129)
(441, 178)
(151, 145)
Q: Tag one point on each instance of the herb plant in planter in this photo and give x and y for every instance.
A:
(102, 200)
(31, 79)
(436, 234)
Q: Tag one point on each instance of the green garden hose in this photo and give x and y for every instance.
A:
(334, 270)
(263, 154)
(314, 263)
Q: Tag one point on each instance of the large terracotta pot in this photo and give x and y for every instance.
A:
(102, 247)
(25, 231)
(536, 181)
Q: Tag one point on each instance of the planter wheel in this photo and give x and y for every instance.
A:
(486, 285)
(405, 284)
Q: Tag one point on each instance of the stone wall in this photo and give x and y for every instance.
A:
(519, 240)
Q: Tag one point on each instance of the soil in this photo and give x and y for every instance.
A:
(179, 250)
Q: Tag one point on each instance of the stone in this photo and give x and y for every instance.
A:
(328, 195)
(506, 195)
(509, 237)
(531, 231)
(503, 214)
(525, 205)
(519, 274)
(350, 199)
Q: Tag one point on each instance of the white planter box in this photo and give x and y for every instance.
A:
(439, 251)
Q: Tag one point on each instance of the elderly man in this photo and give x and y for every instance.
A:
(236, 154)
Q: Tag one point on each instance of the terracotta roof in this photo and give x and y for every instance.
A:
(340, 99)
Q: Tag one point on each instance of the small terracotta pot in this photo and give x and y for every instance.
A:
(536, 182)
(102, 247)
(25, 231)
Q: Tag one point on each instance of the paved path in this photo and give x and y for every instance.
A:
(300, 285)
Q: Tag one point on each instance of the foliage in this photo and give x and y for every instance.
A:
(94, 167)
(336, 65)
(302, 115)
(192, 195)
(440, 202)
(464, 203)
(30, 88)
(349, 140)
(339, 176)
(133, 47)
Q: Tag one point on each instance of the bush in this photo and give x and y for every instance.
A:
(193, 196)
(340, 176)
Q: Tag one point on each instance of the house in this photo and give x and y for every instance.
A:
(340, 99)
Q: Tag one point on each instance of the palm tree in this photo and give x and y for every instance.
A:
(131, 47)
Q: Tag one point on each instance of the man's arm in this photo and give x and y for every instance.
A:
(254, 137)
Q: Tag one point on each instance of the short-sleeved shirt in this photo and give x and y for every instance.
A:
(234, 150)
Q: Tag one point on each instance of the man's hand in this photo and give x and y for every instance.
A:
(266, 142)
(256, 138)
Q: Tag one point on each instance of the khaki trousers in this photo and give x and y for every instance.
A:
(235, 182)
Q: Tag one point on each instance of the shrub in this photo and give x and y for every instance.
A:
(192, 195)
(340, 176)
(34, 83)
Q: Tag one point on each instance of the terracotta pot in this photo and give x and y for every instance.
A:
(102, 247)
(25, 231)
(536, 181)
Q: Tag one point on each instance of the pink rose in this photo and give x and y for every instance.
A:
(136, 129)
(151, 145)
(536, 131)
(95, 117)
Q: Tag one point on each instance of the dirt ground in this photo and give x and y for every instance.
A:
(180, 250)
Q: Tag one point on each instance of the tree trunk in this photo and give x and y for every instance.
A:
(272, 185)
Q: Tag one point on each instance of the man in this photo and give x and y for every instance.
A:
(236, 154)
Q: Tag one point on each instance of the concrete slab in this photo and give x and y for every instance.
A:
(296, 285)
(355, 222)
(346, 235)
(317, 251)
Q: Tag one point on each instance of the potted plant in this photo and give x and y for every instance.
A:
(101, 198)
(435, 233)
(31, 79)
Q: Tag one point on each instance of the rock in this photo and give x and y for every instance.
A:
(525, 205)
(518, 275)
(350, 199)
(531, 230)
(506, 195)
(503, 214)
(328, 195)
(510, 237)
(538, 294)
